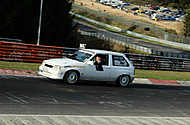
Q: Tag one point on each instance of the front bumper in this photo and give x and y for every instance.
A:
(50, 75)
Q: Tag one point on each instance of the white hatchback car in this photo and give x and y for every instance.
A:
(81, 66)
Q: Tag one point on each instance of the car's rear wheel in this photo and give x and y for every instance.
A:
(72, 77)
(124, 81)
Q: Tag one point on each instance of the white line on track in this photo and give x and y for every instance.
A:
(15, 98)
(83, 116)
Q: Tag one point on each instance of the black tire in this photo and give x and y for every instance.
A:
(124, 81)
(71, 77)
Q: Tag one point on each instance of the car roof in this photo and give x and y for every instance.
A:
(103, 52)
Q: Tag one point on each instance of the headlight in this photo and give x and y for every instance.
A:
(56, 67)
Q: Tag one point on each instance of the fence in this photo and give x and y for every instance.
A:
(158, 32)
(149, 62)
(20, 52)
(170, 54)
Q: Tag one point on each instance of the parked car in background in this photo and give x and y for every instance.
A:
(181, 18)
(83, 65)
(134, 8)
(154, 7)
(102, 1)
(149, 12)
(127, 4)
(115, 4)
(156, 13)
(165, 10)
(107, 3)
(120, 7)
(169, 18)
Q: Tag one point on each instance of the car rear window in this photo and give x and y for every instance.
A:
(120, 61)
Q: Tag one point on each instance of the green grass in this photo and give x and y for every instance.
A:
(160, 75)
(19, 65)
(163, 75)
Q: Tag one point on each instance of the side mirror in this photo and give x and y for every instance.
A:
(90, 63)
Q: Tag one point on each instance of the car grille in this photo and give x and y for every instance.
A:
(49, 66)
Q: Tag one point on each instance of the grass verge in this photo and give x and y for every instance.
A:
(160, 75)
(19, 65)
(163, 75)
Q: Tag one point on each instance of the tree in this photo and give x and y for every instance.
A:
(57, 23)
(19, 19)
(187, 24)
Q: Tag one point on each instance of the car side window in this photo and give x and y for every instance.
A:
(104, 59)
(120, 61)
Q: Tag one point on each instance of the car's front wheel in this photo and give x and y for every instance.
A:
(124, 81)
(72, 77)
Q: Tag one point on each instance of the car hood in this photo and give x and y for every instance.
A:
(63, 62)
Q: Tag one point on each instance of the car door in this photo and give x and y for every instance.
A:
(119, 66)
(99, 75)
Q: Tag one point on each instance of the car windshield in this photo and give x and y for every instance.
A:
(80, 56)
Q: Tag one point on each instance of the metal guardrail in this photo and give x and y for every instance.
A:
(19, 52)
(170, 54)
(149, 62)
(11, 40)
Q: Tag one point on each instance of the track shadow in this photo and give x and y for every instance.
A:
(81, 83)
(154, 86)
(112, 84)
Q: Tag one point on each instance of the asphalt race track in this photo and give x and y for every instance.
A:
(38, 96)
